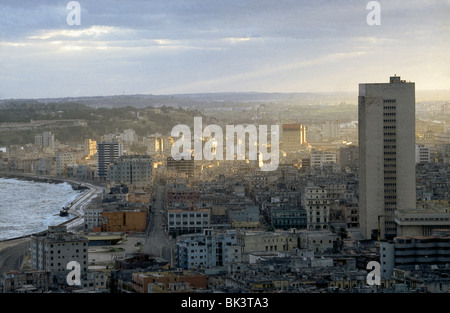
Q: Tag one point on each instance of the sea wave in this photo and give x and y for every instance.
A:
(27, 207)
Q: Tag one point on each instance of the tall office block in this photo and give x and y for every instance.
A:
(386, 154)
(293, 137)
(107, 153)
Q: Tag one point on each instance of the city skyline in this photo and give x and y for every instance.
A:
(192, 47)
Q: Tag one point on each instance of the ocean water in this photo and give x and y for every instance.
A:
(28, 207)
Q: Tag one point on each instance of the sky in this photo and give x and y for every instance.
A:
(201, 46)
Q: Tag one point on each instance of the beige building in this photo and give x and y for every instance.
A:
(318, 241)
(293, 137)
(135, 171)
(317, 205)
(423, 220)
(90, 148)
(260, 241)
(386, 154)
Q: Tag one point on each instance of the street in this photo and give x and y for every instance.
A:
(157, 242)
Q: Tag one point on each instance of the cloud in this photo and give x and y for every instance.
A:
(197, 45)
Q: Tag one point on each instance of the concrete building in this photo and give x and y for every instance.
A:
(45, 140)
(348, 156)
(168, 281)
(330, 130)
(288, 216)
(93, 219)
(107, 153)
(124, 219)
(318, 241)
(90, 148)
(260, 241)
(317, 205)
(246, 217)
(24, 281)
(129, 135)
(320, 158)
(293, 137)
(423, 154)
(62, 161)
(184, 220)
(386, 113)
(53, 250)
(414, 252)
(181, 167)
(422, 221)
(135, 171)
(208, 249)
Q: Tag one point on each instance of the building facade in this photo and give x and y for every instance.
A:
(208, 249)
(134, 171)
(386, 154)
(107, 153)
(317, 205)
(53, 250)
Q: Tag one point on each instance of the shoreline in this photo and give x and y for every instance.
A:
(50, 180)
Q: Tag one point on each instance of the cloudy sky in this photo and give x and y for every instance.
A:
(190, 46)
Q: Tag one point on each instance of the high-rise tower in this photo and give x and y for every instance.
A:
(386, 121)
(107, 153)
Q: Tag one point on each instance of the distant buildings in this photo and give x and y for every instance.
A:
(330, 130)
(46, 140)
(90, 148)
(293, 137)
(386, 154)
(321, 158)
(423, 154)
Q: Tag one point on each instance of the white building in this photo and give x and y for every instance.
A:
(317, 205)
(63, 160)
(320, 158)
(45, 140)
(423, 154)
(129, 135)
(55, 249)
(208, 249)
(180, 221)
(386, 154)
(92, 218)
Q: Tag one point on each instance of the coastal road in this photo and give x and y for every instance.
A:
(12, 254)
(79, 205)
